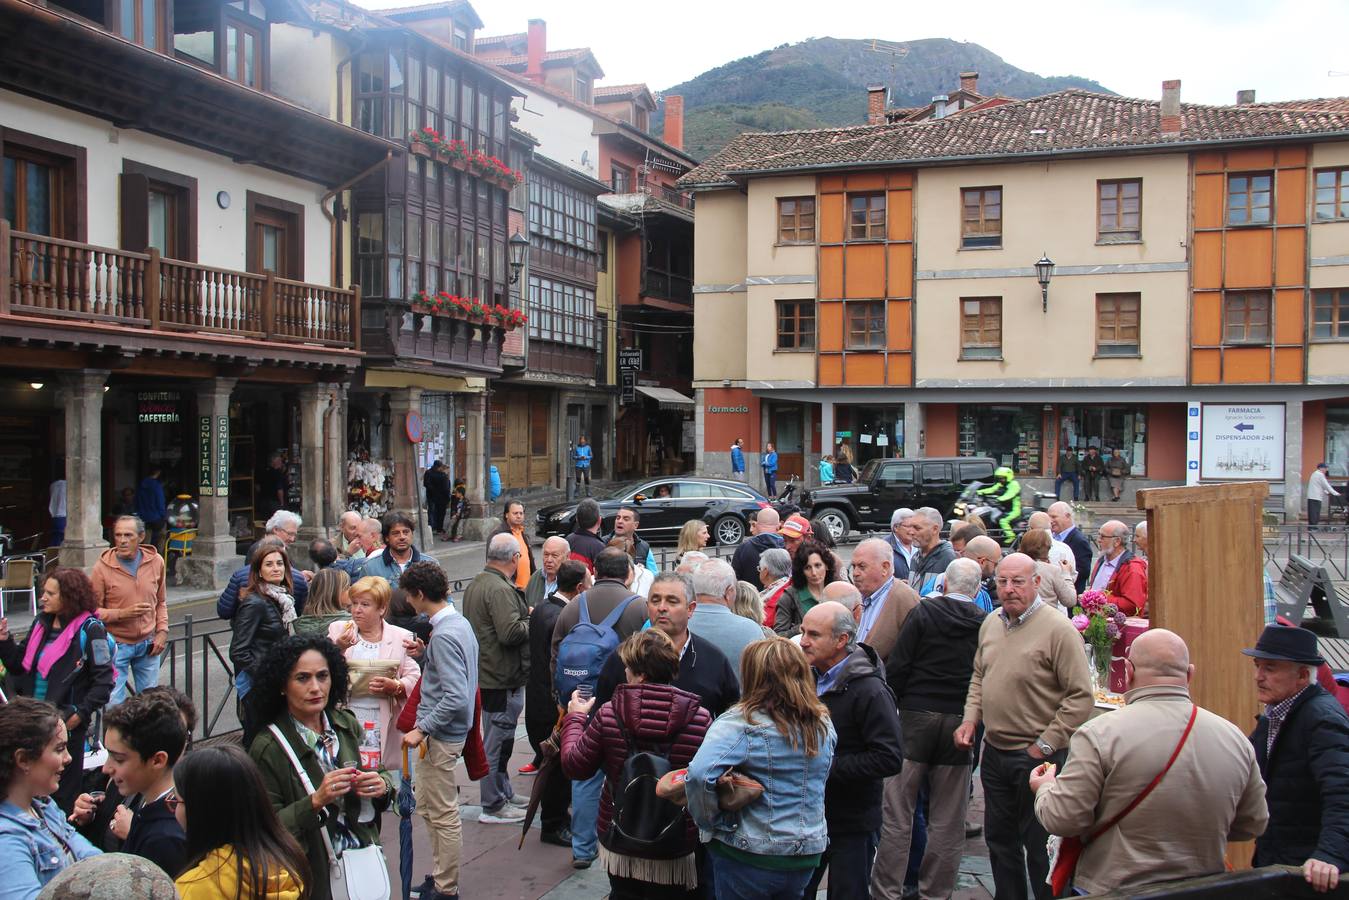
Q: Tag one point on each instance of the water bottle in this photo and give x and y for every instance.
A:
(371, 757)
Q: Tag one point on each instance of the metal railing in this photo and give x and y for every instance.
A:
(1327, 546)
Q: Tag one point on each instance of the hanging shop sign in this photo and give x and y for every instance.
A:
(222, 456)
(157, 407)
(205, 473)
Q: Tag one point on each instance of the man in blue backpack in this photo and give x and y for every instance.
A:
(610, 591)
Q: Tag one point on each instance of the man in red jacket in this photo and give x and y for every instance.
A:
(1119, 572)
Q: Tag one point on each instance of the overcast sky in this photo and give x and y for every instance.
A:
(1282, 48)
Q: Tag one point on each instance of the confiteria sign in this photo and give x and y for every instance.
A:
(728, 409)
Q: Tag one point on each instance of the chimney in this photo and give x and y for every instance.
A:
(674, 121)
(939, 106)
(969, 82)
(1171, 107)
(537, 45)
(878, 100)
(1245, 98)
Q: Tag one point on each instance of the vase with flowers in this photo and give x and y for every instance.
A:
(1100, 622)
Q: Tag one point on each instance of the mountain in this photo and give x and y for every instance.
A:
(822, 82)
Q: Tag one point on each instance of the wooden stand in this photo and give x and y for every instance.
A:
(1206, 583)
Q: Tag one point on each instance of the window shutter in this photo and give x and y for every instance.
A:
(135, 212)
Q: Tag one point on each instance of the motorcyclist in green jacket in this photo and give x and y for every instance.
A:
(1006, 491)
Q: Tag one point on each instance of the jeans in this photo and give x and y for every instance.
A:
(1066, 476)
(770, 483)
(58, 531)
(134, 658)
(585, 814)
(848, 860)
(501, 713)
(1015, 838)
(740, 881)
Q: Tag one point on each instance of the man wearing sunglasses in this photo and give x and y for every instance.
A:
(500, 622)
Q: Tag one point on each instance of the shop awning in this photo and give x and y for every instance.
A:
(667, 398)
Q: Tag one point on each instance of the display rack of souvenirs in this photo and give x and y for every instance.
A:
(370, 485)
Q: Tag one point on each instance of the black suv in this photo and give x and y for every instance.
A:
(885, 485)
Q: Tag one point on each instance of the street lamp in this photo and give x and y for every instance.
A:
(1044, 270)
(519, 246)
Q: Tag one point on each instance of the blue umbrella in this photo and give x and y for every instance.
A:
(406, 804)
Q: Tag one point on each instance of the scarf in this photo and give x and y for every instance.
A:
(283, 600)
(56, 649)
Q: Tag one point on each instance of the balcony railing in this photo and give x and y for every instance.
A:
(669, 195)
(394, 330)
(58, 279)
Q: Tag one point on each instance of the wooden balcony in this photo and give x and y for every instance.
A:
(393, 334)
(99, 291)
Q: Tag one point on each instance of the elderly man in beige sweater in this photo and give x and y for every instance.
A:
(1032, 690)
(1212, 793)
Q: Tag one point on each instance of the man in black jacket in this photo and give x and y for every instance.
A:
(703, 669)
(934, 554)
(850, 681)
(584, 539)
(765, 537)
(1065, 529)
(1302, 747)
(437, 484)
(929, 670)
(541, 711)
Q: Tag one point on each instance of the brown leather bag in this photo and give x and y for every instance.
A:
(735, 790)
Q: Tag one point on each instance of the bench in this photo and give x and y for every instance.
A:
(1304, 582)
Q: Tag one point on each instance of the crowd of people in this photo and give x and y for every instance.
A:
(743, 728)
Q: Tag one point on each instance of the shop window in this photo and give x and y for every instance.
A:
(1337, 440)
(796, 324)
(1010, 435)
(1119, 210)
(1106, 428)
(981, 217)
(42, 185)
(796, 220)
(866, 324)
(1246, 317)
(1331, 314)
(1250, 198)
(981, 328)
(158, 209)
(1332, 194)
(1117, 317)
(866, 217)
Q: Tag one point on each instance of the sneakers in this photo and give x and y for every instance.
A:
(529, 769)
(577, 863)
(561, 837)
(506, 814)
(517, 800)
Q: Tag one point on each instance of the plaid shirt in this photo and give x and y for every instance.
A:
(1021, 619)
(1271, 602)
(1276, 713)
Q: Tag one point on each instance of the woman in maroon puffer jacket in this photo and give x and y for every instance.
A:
(657, 716)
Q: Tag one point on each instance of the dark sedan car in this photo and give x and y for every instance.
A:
(665, 504)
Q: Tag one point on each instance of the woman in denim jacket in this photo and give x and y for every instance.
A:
(36, 841)
(780, 735)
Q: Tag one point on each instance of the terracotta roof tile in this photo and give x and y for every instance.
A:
(618, 90)
(1063, 121)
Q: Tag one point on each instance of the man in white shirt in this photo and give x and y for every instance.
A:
(1319, 492)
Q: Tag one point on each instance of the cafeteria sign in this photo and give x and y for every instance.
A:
(157, 407)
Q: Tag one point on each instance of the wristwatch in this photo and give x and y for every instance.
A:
(1044, 748)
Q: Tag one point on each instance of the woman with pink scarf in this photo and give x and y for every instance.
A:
(65, 660)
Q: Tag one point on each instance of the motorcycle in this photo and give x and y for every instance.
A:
(989, 511)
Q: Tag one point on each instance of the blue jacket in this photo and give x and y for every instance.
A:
(150, 503)
(769, 461)
(32, 856)
(228, 602)
(788, 819)
(383, 566)
(737, 459)
(583, 455)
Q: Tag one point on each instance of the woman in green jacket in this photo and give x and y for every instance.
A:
(300, 684)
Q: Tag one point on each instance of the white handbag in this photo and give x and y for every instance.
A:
(360, 874)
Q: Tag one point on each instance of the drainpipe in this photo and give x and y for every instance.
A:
(335, 244)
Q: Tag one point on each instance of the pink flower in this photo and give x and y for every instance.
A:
(1080, 622)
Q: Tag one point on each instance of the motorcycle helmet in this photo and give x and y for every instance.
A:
(1002, 473)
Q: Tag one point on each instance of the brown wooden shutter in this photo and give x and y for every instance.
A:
(135, 212)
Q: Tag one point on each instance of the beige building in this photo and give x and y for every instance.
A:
(877, 287)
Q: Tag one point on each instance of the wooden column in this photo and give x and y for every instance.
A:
(1206, 583)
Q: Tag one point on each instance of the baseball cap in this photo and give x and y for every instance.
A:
(796, 526)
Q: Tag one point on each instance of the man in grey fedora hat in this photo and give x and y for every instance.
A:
(1302, 747)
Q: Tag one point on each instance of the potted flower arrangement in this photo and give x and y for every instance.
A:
(1100, 623)
(509, 319)
(424, 141)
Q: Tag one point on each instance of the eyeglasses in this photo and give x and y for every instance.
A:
(1014, 582)
(172, 800)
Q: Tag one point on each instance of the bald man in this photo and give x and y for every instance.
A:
(1169, 835)
(987, 553)
(764, 536)
(1118, 571)
(543, 583)
(886, 601)
(349, 523)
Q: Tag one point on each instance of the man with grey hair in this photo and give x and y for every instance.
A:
(691, 560)
(886, 600)
(348, 526)
(1141, 539)
(850, 681)
(929, 671)
(775, 577)
(900, 540)
(369, 539)
(129, 588)
(500, 622)
(934, 554)
(703, 669)
(1118, 571)
(285, 525)
(1065, 531)
(714, 619)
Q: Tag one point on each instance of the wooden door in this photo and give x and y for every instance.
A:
(787, 425)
